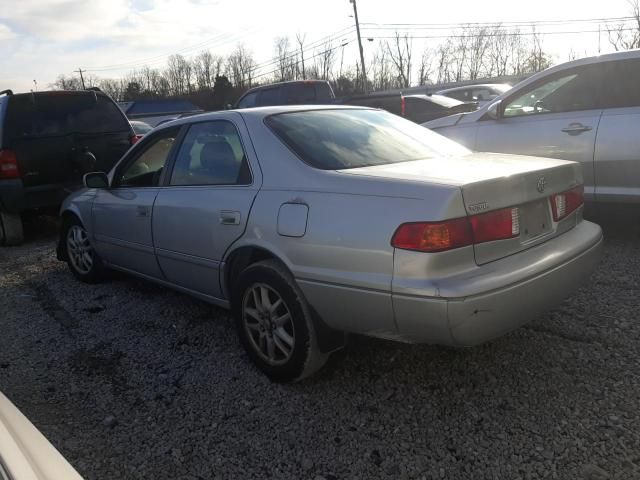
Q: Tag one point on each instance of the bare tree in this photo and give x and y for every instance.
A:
(622, 37)
(478, 41)
(400, 54)
(283, 58)
(178, 74)
(381, 70)
(443, 57)
(240, 67)
(425, 70)
(300, 39)
(112, 88)
(64, 82)
(538, 60)
(324, 61)
(205, 69)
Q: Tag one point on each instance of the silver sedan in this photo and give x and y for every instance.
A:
(311, 222)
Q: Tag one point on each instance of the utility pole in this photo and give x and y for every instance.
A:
(364, 74)
(81, 77)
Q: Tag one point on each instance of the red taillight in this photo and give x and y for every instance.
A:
(403, 104)
(133, 139)
(433, 236)
(562, 204)
(497, 225)
(459, 232)
(8, 165)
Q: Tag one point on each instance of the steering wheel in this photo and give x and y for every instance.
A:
(538, 107)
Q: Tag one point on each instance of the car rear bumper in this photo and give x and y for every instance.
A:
(529, 283)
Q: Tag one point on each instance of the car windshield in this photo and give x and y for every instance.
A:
(353, 138)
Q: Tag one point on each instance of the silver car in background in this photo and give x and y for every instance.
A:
(481, 93)
(309, 222)
(587, 110)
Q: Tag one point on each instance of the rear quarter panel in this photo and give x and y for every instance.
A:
(344, 261)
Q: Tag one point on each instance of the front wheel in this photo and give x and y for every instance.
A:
(83, 261)
(274, 323)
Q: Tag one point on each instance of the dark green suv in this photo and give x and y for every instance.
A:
(48, 140)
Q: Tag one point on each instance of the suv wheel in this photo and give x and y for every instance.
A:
(83, 261)
(274, 323)
(11, 232)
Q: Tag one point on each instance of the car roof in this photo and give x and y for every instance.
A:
(256, 112)
(475, 85)
(437, 99)
(280, 84)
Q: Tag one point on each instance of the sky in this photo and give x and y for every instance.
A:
(40, 39)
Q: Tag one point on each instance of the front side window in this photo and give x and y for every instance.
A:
(248, 101)
(146, 169)
(211, 154)
(352, 138)
(568, 92)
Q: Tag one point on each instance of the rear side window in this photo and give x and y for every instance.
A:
(323, 92)
(211, 154)
(269, 96)
(352, 138)
(300, 93)
(621, 87)
(62, 114)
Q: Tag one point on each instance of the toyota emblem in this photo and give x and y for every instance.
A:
(541, 184)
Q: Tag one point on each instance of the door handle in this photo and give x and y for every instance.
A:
(576, 129)
(229, 217)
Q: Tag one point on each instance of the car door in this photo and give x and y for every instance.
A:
(556, 117)
(122, 214)
(617, 155)
(205, 206)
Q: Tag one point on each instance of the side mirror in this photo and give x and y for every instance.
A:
(228, 106)
(495, 110)
(95, 180)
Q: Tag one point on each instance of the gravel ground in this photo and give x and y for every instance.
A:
(131, 380)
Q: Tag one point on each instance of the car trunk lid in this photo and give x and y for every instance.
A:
(491, 182)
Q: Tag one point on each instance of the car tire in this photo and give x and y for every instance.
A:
(83, 261)
(274, 323)
(11, 231)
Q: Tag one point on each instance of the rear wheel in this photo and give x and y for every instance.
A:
(83, 261)
(274, 323)
(11, 232)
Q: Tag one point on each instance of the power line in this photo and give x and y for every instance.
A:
(505, 23)
(512, 34)
(296, 63)
(334, 36)
(162, 57)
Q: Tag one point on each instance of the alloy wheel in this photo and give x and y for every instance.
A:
(268, 324)
(79, 249)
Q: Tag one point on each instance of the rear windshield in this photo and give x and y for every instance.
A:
(352, 138)
(61, 114)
